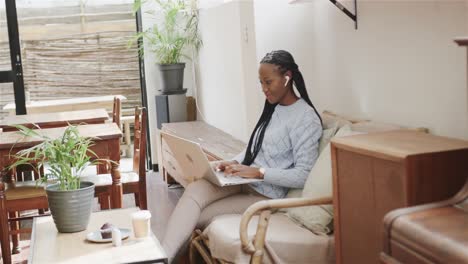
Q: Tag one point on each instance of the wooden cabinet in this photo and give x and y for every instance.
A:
(378, 172)
(216, 144)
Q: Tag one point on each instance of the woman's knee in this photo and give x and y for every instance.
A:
(204, 192)
(198, 191)
(197, 187)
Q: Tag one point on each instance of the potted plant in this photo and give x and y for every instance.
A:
(67, 156)
(169, 40)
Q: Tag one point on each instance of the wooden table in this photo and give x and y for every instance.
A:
(106, 145)
(48, 246)
(72, 104)
(58, 119)
(217, 145)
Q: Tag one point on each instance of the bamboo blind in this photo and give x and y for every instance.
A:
(77, 66)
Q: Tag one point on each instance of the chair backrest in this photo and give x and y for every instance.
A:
(116, 111)
(139, 147)
(22, 171)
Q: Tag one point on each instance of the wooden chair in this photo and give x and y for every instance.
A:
(428, 233)
(127, 121)
(23, 173)
(16, 197)
(103, 196)
(124, 124)
(116, 111)
(133, 181)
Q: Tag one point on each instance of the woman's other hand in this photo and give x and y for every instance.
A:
(243, 171)
(221, 165)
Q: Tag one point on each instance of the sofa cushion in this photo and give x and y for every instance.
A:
(372, 126)
(286, 242)
(329, 118)
(327, 134)
(331, 124)
(238, 203)
(318, 219)
(362, 124)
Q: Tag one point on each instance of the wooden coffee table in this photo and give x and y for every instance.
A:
(50, 246)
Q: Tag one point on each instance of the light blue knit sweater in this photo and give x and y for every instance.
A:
(289, 150)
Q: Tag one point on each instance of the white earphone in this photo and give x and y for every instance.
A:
(287, 80)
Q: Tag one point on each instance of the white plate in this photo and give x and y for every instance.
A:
(97, 238)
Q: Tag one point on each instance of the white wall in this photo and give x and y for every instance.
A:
(400, 66)
(253, 94)
(228, 89)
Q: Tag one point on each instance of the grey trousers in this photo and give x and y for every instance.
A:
(198, 205)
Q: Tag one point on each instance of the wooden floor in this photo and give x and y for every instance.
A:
(161, 202)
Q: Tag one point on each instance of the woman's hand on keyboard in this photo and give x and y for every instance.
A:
(221, 165)
(243, 171)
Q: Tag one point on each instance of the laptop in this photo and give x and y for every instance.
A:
(194, 163)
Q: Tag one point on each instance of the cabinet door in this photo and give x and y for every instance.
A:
(354, 204)
(366, 189)
(389, 194)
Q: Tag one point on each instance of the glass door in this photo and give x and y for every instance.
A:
(68, 49)
(11, 69)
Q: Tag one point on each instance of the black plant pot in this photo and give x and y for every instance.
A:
(172, 78)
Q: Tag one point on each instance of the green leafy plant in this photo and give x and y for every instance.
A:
(67, 156)
(177, 31)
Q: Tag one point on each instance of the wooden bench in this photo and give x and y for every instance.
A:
(216, 144)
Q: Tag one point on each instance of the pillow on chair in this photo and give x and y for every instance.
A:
(372, 126)
(329, 117)
(327, 134)
(319, 219)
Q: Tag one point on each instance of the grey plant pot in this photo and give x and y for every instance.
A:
(71, 209)
(172, 77)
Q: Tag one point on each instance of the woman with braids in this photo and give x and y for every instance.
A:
(282, 150)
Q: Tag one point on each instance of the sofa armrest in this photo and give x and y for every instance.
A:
(266, 205)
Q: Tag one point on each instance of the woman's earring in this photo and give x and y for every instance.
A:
(287, 80)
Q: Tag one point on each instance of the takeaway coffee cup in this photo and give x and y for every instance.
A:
(141, 223)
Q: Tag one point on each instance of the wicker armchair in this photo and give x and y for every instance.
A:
(199, 245)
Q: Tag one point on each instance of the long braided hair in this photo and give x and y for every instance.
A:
(285, 62)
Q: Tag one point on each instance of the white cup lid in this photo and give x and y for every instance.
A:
(143, 214)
